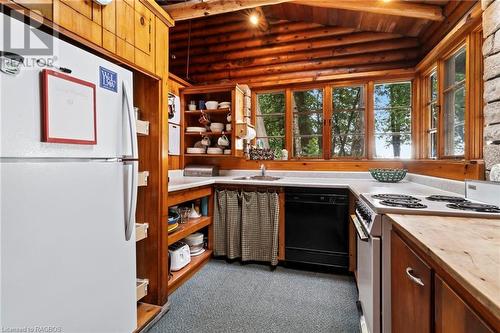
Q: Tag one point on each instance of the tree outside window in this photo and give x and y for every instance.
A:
(392, 114)
(348, 122)
(307, 107)
(270, 120)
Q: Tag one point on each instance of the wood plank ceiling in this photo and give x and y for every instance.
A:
(302, 43)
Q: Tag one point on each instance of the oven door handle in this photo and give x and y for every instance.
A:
(360, 230)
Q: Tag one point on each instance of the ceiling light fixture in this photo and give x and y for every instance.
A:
(254, 19)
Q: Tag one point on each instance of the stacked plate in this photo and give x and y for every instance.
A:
(224, 105)
(214, 151)
(195, 129)
(195, 243)
(196, 151)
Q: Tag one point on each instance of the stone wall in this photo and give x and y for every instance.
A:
(491, 53)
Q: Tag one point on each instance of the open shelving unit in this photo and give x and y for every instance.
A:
(220, 93)
(179, 277)
(203, 223)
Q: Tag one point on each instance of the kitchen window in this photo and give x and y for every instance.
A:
(392, 118)
(432, 113)
(270, 120)
(348, 122)
(307, 112)
(454, 104)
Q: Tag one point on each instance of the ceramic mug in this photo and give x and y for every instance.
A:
(228, 127)
(205, 141)
(223, 141)
(228, 117)
(204, 119)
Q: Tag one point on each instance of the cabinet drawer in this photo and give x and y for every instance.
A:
(411, 285)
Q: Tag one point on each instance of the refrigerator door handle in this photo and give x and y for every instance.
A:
(132, 190)
(131, 122)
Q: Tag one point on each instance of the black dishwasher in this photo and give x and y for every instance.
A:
(316, 227)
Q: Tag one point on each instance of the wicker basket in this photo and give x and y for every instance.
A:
(388, 175)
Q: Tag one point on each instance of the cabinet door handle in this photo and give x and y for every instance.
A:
(409, 273)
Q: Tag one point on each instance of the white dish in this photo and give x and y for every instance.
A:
(211, 105)
(196, 151)
(227, 151)
(224, 105)
(214, 151)
(194, 254)
(196, 129)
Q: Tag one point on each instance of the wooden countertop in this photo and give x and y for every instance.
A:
(467, 248)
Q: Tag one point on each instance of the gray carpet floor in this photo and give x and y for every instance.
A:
(229, 297)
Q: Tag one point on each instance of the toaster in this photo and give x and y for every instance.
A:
(180, 256)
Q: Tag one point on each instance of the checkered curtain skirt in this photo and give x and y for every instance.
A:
(246, 225)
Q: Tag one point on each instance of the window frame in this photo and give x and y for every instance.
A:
(364, 85)
(427, 101)
(413, 133)
(255, 116)
(325, 111)
(442, 77)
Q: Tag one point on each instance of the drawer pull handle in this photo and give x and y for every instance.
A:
(409, 273)
(142, 20)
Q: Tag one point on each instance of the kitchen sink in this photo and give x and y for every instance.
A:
(264, 178)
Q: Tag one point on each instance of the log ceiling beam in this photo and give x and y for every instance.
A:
(397, 8)
(201, 8)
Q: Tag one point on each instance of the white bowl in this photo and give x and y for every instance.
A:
(224, 105)
(196, 151)
(216, 127)
(211, 105)
(227, 151)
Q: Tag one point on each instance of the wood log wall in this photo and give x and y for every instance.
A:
(227, 47)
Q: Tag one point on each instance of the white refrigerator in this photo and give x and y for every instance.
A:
(67, 228)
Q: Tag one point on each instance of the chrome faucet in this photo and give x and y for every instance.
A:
(262, 170)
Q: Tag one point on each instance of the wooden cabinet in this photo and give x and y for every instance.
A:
(411, 287)
(144, 37)
(422, 301)
(452, 314)
(78, 21)
(125, 33)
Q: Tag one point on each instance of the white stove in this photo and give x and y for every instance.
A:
(482, 200)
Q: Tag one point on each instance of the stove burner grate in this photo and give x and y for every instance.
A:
(403, 203)
(476, 207)
(446, 198)
(395, 197)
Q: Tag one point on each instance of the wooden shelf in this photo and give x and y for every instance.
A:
(209, 155)
(188, 228)
(142, 127)
(141, 231)
(141, 286)
(207, 133)
(179, 197)
(179, 277)
(145, 313)
(224, 110)
(142, 178)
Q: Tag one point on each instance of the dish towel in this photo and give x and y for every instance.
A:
(246, 225)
